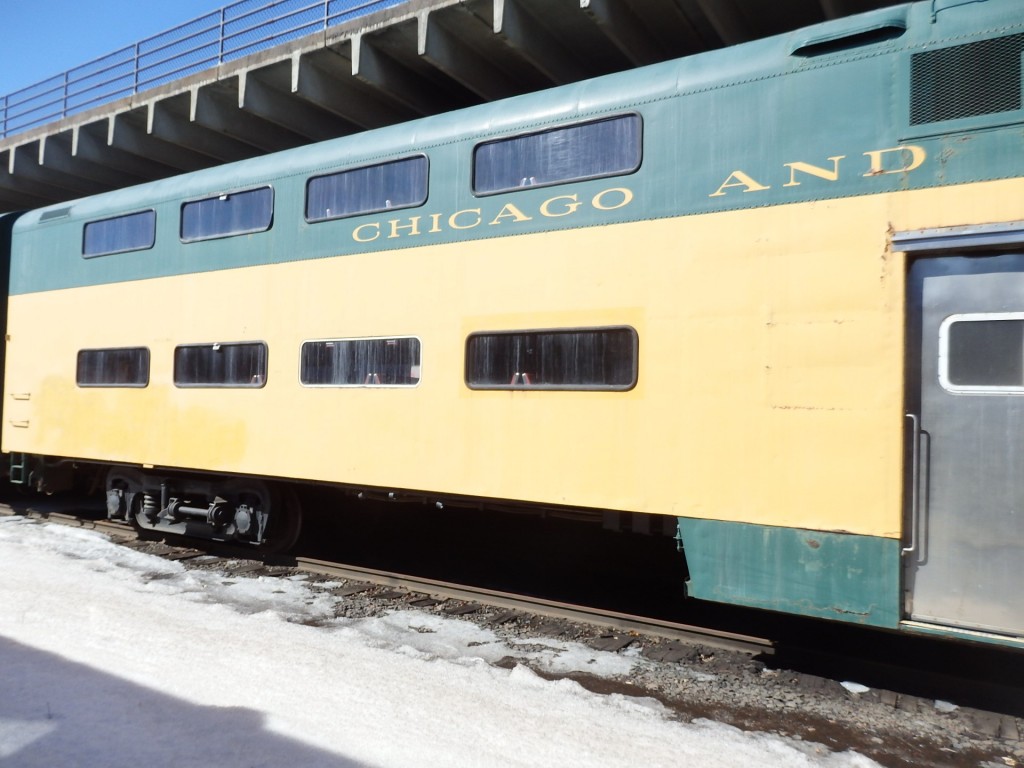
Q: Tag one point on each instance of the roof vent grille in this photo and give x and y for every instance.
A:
(981, 78)
(55, 213)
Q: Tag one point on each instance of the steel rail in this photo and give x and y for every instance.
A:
(540, 606)
(552, 609)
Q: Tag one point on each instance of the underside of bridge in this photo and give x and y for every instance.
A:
(418, 58)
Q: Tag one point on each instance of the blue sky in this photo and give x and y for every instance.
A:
(42, 38)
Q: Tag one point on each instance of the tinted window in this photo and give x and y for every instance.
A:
(361, 362)
(133, 232)
(602, 358)
(985, 353)
(586, 151)
(401, 184)
(113, 367)
(221, 365)
(237, 213)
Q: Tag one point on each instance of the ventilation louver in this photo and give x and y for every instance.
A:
(981, 78)
(55, 213)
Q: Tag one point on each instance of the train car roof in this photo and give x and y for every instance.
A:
(814, 46)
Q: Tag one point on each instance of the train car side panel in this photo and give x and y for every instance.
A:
(815, 573)
(740, 374)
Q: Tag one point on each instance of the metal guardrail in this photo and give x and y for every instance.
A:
(236, 30)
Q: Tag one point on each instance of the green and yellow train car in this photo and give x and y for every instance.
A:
(771, 295)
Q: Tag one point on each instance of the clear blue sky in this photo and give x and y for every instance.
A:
(42, 38)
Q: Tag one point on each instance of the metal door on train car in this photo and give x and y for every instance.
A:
(965, 554)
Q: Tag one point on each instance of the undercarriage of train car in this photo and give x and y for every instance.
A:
(242, 510)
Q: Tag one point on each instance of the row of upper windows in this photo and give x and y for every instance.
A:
(595, 149)
(583, 359)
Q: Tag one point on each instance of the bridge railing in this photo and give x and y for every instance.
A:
(236, 30)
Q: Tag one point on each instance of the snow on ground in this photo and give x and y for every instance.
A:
(110, 657)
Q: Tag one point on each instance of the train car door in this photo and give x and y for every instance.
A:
(965, 563)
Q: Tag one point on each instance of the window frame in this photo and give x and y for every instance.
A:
(944, 356)
(114, 385)
(369, 211)
(364, 385)
(221, 196)
(540, 387)
(152, 242)
(265, 374)
(551, 129)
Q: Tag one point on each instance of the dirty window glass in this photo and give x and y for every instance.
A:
(599, 358)
(235, 213)
(383, 187)
(221, 365)
(361, 362)
(124, 367)
(586, 151)
(132, 232)
(985, 353)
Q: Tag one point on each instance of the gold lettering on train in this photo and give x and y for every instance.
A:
(453, 219)
(509, 211)
(413, 226)
(741, 180)
(878, 159)
(566, 210)
(901, 159)
(373, 227)
(610, 199)
(599, 203)
(813, 170)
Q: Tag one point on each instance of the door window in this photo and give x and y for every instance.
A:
(982, 353)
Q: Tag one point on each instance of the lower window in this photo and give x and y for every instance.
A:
(579, 358)
(234, 364)
(123, 367)
(391, 362)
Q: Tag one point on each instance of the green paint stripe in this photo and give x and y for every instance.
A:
(743, 127)
(813, 573)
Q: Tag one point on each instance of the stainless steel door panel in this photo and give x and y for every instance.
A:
(965, 316)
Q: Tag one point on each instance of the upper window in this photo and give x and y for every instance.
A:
(125, 367)
(132, 232)
(373, 188)
(589, 358)
(586, 151)
(982, 353)
(239, 364)
(236, 213)
(361, 362)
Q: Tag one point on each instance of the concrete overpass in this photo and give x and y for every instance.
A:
(416, 58)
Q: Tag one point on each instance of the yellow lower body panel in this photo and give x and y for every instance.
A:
(770, 384)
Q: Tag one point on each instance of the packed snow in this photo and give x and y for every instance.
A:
(110, 657)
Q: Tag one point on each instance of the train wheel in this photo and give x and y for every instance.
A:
(266, 515)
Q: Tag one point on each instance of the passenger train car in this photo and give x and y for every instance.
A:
(768, 298)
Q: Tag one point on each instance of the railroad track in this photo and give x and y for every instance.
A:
(818, 661)
(613, 630)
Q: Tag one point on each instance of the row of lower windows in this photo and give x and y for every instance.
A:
(590, 150)
(582, 359)
(977, 353)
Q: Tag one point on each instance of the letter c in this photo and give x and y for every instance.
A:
(452, 220)
(359, 238)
